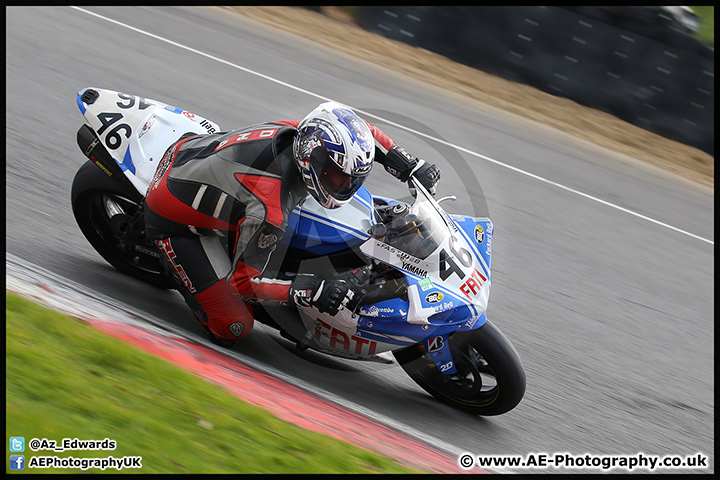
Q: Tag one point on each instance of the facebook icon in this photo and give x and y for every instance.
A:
(17, 462)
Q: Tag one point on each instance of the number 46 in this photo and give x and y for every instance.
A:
(448, 265)
(113, 139)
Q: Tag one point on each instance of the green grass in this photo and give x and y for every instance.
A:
(707, 24)
(65, 379)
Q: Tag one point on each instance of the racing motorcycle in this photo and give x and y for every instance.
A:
(421, 276)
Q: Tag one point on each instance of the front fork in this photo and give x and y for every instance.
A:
(438, 347)
(439, 350)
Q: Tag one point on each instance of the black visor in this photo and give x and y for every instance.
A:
(338, 184)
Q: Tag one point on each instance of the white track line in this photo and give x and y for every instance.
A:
(415, 132)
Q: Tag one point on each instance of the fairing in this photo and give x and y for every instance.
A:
(137, 131)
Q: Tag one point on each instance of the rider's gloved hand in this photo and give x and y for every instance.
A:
(428, 174)
(403, 165)
(325, 295)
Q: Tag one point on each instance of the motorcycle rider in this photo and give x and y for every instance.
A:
(244, 184)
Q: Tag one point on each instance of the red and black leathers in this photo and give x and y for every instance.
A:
(241, 184)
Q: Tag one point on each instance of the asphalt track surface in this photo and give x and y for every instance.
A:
(603, 273)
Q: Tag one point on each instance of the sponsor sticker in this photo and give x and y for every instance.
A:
(374, 311)
(340, 340)
(414, 269)
(434, 297)
(147, 126)
(425, 284)
(479, 234)
(473, 286)
(435, 344)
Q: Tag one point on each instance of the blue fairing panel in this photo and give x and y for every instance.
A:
(479, 233)
(323, 231)
(80, 103)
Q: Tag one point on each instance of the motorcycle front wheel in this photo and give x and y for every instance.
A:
(490, 378)
(113, 223)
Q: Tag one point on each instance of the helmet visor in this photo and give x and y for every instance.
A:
(338, 184)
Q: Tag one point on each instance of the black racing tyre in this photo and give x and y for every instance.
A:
(490, 378)
(114, 225)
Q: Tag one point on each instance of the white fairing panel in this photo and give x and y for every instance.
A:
(338, 335)
(137, 131)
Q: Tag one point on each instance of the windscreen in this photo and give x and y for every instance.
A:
(417, 230)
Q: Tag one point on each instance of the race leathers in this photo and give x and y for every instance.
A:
(239, 185)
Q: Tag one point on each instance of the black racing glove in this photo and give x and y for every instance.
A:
(403, 165)
(428, 174)
(325, 295)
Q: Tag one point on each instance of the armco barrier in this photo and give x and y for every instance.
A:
(646, 74)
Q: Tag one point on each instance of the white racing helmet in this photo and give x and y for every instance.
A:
(334, 151)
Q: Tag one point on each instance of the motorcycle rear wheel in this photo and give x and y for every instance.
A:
(490, 378)
(109, 219)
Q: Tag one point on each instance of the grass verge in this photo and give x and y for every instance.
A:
(64, 379)
(706, 33)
